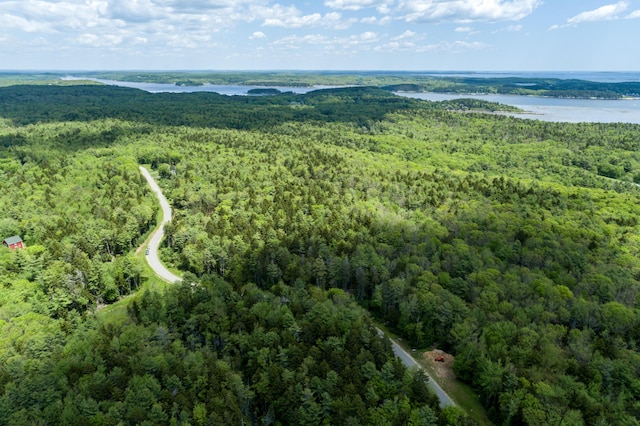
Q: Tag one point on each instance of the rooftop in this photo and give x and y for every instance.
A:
(12, 240)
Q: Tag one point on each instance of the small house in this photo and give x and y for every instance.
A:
(14, 242)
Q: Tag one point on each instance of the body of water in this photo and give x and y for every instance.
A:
(537, 108)
(222, 89)
(554, 109)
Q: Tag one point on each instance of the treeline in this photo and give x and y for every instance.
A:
(395, 81)
(398, 81)
(33, 104)
(552, 87)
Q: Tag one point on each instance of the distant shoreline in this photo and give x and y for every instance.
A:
(561, 85)
(256, 87)
(475, 94)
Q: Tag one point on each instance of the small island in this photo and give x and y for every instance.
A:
(267, 91)
(409, 88)
(189, 83)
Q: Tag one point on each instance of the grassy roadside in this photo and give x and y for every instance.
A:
(463, 395)
(117, 311)
(460, 392)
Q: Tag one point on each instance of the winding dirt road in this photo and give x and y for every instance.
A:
(152, 257)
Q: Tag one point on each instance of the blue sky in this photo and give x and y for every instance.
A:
(483, 35)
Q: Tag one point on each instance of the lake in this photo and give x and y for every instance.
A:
(554, 109)
(538, 108)
(222, 89)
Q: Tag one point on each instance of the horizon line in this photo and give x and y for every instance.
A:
(447, 71)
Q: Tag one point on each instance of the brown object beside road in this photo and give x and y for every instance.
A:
(442, 363)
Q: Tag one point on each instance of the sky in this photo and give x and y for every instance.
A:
(464, 35)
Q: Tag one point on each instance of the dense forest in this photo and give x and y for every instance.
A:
(549, 87)
(298, 220)
(393, 81)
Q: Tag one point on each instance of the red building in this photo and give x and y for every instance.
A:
(14, 242)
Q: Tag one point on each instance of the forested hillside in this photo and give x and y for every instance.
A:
(512, 244)
(391, 80)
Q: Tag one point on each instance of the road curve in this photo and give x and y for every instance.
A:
(408, 361)
(165, 274)
(152, 258)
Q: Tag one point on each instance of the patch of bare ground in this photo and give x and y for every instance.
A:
(441, 362)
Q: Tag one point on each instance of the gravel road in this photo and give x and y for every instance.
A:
(152, 257)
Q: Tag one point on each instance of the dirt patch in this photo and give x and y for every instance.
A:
(441, 362)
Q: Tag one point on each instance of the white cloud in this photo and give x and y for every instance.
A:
(39, 42)
(9, 21)
(204, 6)
(366, 37)
(604, 13)
(381, 5)
(444, 46)
(139, 40)
(48, 17)
(361, 41)
(121, 40)
(633, 15)
(407, 34)
(95, 40)
(257, 35)
(171, 28)
(107, 23)
(509, 29)
(395, 46)
(291, 17)
(294, 42)
(334, 20)
(132, 10)
(455, 46)
(467, 10)
(191, 41)
(369, 20)
(375, 20)
(293, 20)
(79, 15)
